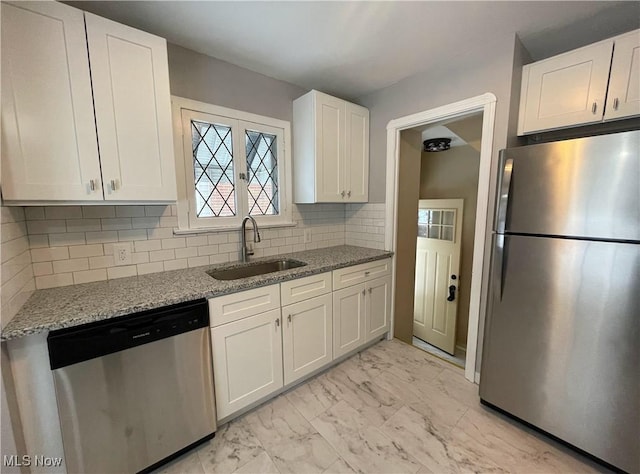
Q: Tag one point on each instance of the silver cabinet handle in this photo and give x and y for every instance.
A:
(342, 194)
(616, 102)
(113, 185)
(348, 193)
(92, 185)
(594, 107)
(277, 323)
(366, 273)
(370, 290)
(288, 320)
(364, 292)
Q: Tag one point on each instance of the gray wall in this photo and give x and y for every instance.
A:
(453, 174)
(200, 77)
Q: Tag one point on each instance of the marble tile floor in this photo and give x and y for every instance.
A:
(458, 357)
(389, 409)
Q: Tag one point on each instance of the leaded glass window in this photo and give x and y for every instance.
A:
(262, 173)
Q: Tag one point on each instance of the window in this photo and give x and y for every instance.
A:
(436, 223)
(235, 164)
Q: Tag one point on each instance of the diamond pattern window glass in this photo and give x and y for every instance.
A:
(262, 173)
(212, 148)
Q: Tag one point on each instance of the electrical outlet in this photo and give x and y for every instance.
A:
(307, 236)
(122, 254)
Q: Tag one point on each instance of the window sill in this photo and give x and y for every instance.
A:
(228, 228)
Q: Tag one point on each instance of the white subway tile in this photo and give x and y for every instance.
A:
(129, 211)
(175, 264)
(89, 276)
(93, 212)
(154, 267)
(132, 235)
(52, 281)
(222, 248)
(63, 212)
(139, 257)
(197, 241)
(42, 268)
(219, 258)
(83, 225)
(210, 249)
(68, 238)
(73, 265)
(46, 226)
(101, 237)
(93, 250)
(217, 239)
(48, 254)
(170, 221)
(101, 262)
(147, 245)
(187, 252)
(118, 223)
(160, 233)
(38, 241)
(158, 255)
(157, 211)
(145, 222)
(122, 272)
(174, 243)
(34, 213)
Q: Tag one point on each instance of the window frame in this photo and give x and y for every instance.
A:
(184, 109)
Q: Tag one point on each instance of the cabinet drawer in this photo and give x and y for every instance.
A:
(304, 288)
(227, 308)
(349, 276)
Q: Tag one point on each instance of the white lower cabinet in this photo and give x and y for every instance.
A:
(259, 347)
(247, 361)
(349, 319)
(306, 337)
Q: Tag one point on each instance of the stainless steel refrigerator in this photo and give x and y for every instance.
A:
(562, 336)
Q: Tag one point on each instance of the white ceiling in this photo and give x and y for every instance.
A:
(354, 48)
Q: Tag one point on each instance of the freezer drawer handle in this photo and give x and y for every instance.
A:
(452, 293)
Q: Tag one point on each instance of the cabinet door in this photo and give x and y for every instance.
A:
(247, 361)
(378, 307)
(357, 153)
(565, 90)
(133, 111)
(623, 99)
(307, 337)
(330, 154)
(348, 319)
(49, 144)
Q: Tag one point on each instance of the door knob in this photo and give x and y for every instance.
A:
(452, 293)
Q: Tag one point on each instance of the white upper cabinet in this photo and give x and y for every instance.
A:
(331, 150)
(623, 99)
(52, 150)
(587, 85)
(49, 145)
(133, 111)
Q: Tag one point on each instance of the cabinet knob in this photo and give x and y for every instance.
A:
(616, 102)
(364, 292)
(342, 194)
(370, 290)
(92, 185)
(594, 107)
(366, 273)
(288, 319)
(277, 323)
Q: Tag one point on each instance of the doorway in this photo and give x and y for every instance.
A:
(404, 137)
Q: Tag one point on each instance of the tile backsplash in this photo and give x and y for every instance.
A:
(44, 247)
(17, 274)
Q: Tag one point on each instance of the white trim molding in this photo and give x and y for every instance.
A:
(485, 103)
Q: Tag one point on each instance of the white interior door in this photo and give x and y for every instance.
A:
(437, 272)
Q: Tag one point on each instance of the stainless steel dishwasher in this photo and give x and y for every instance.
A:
(135, 391)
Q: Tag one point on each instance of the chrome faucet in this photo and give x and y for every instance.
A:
(256, 236)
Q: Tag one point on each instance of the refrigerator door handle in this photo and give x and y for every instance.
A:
(499, 265)
(503, 199)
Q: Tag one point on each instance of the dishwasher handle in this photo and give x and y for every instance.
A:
(88, 341)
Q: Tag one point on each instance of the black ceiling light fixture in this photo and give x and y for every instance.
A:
(437, 144)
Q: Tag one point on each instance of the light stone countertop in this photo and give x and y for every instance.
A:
(69, 306)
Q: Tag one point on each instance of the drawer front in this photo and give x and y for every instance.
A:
(228, 308)
(357, 274)
(302, 289)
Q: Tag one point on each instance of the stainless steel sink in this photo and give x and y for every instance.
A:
(255, 269)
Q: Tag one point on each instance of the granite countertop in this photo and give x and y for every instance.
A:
(68, 306)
